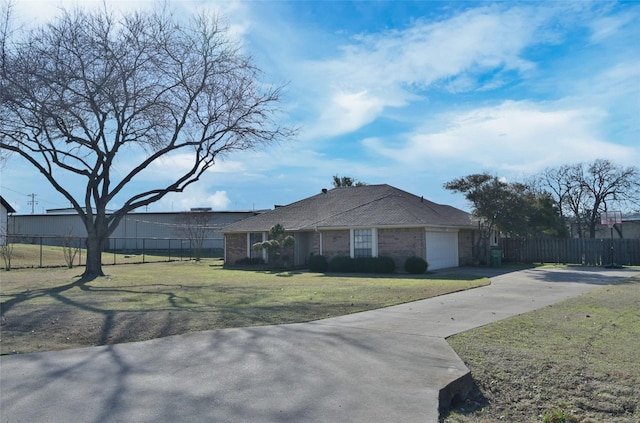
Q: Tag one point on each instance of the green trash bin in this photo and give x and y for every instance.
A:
(496, 258)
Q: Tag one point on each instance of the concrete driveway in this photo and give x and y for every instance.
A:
(387, 365)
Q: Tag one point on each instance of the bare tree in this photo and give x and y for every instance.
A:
(6, 248)
(196, 227)
(83, 95)
(70, 248)
(584, 191)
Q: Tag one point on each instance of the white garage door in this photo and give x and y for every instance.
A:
(442, 250)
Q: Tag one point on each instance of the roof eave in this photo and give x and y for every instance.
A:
(395, 226)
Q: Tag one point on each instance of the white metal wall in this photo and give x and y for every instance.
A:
(133, 226)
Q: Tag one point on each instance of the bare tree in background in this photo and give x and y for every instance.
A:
(92, 100)
(6, 248)
(584, 191)
(196, 227)
(70, 248)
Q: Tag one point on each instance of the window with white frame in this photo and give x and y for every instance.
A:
(253, 238)
(362, 243)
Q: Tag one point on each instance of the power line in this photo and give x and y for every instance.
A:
(41, 200)
(13, 190)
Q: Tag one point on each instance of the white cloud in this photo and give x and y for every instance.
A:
(348, 112)
(513, 136)
(608, 26)
(194, 196)
(218, 200)
(392, 68)
(169, 168)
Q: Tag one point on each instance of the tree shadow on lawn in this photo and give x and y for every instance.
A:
(40, 293)
(70, 323)
(57, 293)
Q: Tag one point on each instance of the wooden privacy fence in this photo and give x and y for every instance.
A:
(586, 251)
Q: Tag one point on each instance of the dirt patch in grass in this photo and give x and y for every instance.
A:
(52, 309)
(579, 357)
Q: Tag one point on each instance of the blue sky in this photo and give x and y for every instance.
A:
(411, 94)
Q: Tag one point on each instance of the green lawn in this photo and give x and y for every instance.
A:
(579, 356)
(48, 309)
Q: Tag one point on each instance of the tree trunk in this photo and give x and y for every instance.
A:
(94, 258)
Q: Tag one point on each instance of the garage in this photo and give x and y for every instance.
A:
(442, 249)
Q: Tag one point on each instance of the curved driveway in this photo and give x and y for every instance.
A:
(377, 366)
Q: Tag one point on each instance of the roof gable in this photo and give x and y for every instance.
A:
(6, 205)
(359, 206)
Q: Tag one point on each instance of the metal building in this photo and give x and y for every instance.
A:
(136, 231)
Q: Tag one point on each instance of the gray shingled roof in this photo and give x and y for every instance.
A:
(361, 206)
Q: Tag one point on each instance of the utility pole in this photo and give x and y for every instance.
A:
(33, 202)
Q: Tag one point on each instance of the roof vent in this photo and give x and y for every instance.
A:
(324, 190)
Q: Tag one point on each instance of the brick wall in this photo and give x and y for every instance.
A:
(236, 247)
(398, 244)
(401, 244)
(335, 243)
(465, 247)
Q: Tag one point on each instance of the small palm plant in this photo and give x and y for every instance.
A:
(276, 246)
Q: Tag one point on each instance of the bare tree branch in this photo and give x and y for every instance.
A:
(584, 191)
(86, 92)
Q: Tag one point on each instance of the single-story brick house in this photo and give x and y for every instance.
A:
(361, 221)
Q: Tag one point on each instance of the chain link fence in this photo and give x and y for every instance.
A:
(28, 251)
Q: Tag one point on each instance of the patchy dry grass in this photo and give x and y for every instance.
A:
(51, 309)
(579, 356)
